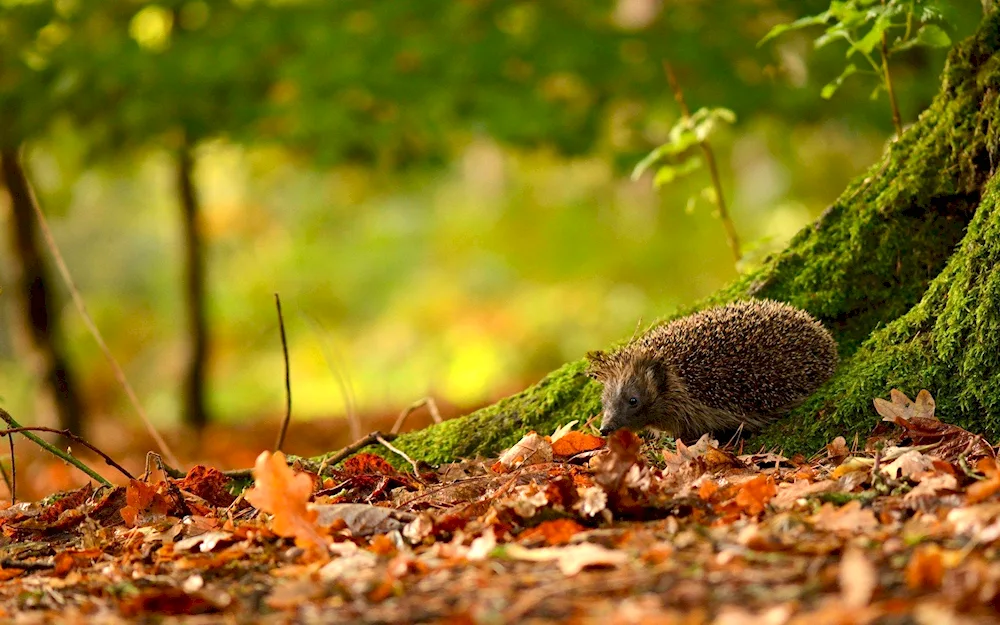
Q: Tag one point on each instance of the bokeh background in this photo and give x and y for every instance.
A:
(439, 190)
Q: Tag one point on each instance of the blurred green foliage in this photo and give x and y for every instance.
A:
(438, 190)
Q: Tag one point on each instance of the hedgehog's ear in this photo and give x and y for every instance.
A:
(597, 362)
(656, 374)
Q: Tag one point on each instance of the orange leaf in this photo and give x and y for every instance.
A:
(755, 494)
(143, 504)
(285, 494)
(554, 532)
(983, 490)
(925, 570)
(573, 443)
(707, 489)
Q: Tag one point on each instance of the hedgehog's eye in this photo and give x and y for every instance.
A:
(632, 401)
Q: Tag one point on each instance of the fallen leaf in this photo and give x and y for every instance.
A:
(848, 518)
(858, 578)
(925, 569)
(531, 449)
(571, 559)
(144, 504)
(285, 494)
(551, 533)
(901, 407)
(754, 495)
(909, 465)
(362, 519)
(789, 493)
(573, 443)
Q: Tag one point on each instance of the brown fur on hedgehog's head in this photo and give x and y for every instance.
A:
(636, 386)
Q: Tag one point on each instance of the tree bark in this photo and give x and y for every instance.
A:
(34, 297)
(904, 268)
(195, 410)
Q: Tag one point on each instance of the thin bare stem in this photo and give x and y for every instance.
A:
(288, 379)
(426, 401)
(897, 120)
(706, 150)
(81, 307)
(28, 432)
(401, 454)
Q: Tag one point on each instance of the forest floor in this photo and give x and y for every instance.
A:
(570, 527)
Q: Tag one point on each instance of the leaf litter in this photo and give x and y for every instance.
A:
(568, 527)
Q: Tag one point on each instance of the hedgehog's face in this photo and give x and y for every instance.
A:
(630, 393)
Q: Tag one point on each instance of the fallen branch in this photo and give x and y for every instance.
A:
(288, 380)
(81, 307)
(17, 428)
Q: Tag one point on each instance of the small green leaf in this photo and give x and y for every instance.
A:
(929, 36)
(802, 22)
(872, 38)
(831, 87)
(668, 173)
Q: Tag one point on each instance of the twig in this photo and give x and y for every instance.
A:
(399, 452)
(288, 380)
(426, 401)
(713, 170)
(17, 428)
(24, 565)
(81, 307)
(897, 120)
(353, 448)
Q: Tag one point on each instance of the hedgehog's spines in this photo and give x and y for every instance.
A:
(740, 364)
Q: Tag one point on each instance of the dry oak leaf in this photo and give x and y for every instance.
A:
(902, 407)
(573, 443)
(285, 494)
(848, 518)
(571, 559)
(909, 464)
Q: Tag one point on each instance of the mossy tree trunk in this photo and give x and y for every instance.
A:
(904, 268)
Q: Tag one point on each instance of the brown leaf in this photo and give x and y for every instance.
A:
(849, 518)
(531, 449)
(208, 483)
(285, 495)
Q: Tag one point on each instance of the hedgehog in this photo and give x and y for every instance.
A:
(723, 370)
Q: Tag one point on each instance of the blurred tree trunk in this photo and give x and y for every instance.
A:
(195, 411)
(34, 299)
(904, 268)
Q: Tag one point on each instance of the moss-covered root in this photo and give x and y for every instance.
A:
(949, 343)
(866, 263)
(563, 395)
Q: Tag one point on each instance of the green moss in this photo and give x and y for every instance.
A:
(562, 396)
(880, 268)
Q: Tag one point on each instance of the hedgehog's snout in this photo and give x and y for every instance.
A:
(606, 429)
